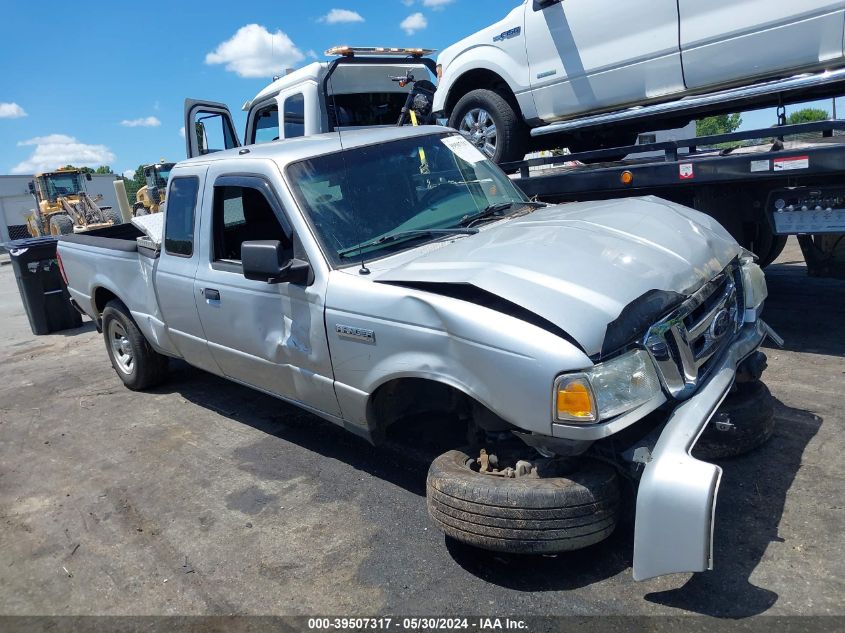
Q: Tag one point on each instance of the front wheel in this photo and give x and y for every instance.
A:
(137, 364)
(492, 124)
(61, 224)
(525, 514)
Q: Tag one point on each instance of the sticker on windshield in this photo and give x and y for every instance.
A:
(463, 149)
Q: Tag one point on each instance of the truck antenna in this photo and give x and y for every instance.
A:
(363, 270)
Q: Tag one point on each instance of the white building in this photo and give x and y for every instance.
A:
(16, 202)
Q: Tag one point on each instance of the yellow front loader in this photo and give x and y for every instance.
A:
(63, 205)
(150, 197)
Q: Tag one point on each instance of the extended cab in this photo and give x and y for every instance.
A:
(398, 271)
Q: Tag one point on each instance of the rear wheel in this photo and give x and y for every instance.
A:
(492, 124)
(61, 224)
(776, 248)
(137, 364)
(526, 514)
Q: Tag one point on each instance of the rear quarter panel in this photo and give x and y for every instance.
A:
(123, 273)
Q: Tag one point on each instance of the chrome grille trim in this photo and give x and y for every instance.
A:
(683, 343)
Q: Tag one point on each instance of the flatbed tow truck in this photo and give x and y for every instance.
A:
(788, 180)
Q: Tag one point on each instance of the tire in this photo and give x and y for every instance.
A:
(778, 244)
(511, 138)
(525, 515)
(112, 215)
(137, 364)
(61, 224)
(751, 411)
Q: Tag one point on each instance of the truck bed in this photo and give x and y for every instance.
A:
(116, 261)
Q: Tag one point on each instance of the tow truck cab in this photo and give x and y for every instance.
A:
(355, 89)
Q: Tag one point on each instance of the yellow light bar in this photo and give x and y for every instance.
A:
(351, 51)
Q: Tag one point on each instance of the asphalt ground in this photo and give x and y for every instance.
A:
(204, 497)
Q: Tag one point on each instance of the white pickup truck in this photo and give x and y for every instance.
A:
(550, 65)
(397, 270)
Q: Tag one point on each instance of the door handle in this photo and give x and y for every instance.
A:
(211, 294)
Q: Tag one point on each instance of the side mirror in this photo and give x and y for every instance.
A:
(32, 187)
(88, 177)
(267, 261)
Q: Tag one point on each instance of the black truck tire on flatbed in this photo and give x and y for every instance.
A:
(512, 133)
(525, 515)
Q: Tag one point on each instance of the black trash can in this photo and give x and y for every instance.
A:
(43, 291)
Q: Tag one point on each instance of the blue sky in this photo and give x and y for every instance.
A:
(82, 69)
(105, 83)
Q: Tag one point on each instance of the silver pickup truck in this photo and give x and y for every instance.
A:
(589, 348)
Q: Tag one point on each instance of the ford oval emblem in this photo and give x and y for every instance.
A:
(721, 324)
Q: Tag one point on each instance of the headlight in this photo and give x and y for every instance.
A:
(754, 286)
(606, 390)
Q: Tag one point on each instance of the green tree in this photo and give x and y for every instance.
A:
(807, 115)
(84, 170)
(103, 169)
(720, 124)
(133, 184)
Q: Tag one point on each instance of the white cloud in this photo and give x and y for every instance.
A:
(55, 150)
(341, 16)
(311, 53)
(413, 23)
(147, 121)
(407, 3)
(436, 4)
(255, 52)
(182, 131)
(11, 111)
(129, 174)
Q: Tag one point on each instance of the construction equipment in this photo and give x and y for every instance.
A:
(150, 197)
(63, 205)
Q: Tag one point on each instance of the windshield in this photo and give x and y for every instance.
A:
(354, 197)
(158, 176)
(68, 184)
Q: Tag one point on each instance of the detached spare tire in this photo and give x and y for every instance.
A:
(524, 515)
(745, 421)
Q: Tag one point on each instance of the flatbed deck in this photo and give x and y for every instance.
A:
(742, 179)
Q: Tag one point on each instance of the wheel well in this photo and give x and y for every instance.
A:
(406, 397)
(422, 398)
(101, 297)
(479, 78)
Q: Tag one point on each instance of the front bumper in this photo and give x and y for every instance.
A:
(676, 501)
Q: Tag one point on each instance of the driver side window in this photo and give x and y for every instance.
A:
(242, 214)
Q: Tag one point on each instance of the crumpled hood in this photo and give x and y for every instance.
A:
(578, 265)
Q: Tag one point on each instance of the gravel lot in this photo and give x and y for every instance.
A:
(204, 497)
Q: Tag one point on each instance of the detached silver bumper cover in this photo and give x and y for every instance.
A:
(676, 501)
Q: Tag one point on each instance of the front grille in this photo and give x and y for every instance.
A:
(686, 343)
